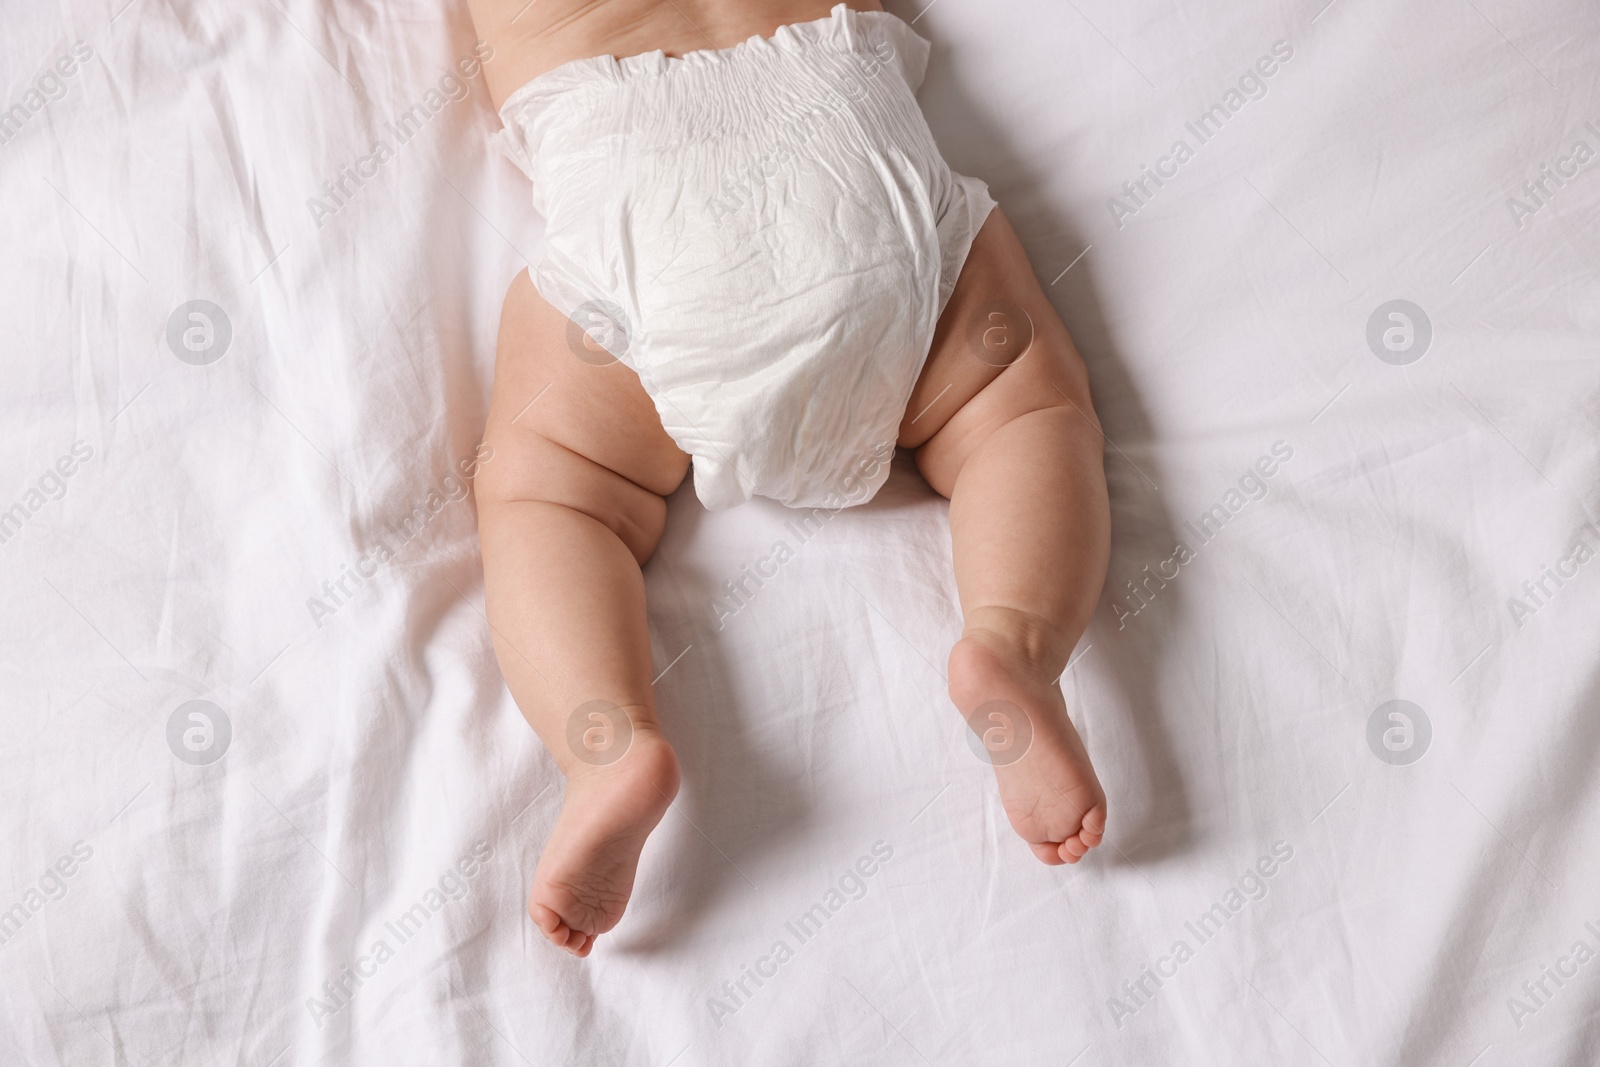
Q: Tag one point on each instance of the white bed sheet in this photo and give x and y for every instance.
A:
(191, 912)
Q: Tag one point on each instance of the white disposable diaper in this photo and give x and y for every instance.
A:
(766, 234)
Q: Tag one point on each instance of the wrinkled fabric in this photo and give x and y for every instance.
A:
(766, 233)
(174, 530)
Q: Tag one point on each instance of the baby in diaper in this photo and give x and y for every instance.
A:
(757, 264)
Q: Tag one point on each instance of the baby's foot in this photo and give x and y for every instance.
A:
(1050, 793)
(585, 875)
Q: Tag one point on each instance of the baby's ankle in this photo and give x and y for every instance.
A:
(636, 749)
(1021, 638)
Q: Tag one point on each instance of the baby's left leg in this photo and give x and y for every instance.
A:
(1003, 425)
(569, 508)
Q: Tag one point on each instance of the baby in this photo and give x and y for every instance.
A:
(757, 263)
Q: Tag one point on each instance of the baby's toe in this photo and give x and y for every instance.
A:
(546, 920)
(555, 928)
(1048, 852)
(1094, 825)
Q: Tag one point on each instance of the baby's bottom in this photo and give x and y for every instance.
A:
(573, 506)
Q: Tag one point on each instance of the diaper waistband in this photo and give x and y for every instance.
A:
(844, 31)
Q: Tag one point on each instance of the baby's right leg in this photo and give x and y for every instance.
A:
(569, 508)
(1004, 426)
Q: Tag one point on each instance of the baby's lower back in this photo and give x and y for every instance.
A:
(531, 37)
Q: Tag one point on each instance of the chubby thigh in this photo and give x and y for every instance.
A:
(570, 425)
(1000, 351)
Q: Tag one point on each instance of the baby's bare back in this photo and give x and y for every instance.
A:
(530, 37)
